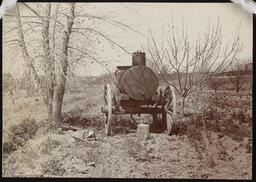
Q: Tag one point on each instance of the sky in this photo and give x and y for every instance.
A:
(143, 17)
(154, 16)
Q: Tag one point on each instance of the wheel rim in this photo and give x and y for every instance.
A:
(169, 107)
(108, 104)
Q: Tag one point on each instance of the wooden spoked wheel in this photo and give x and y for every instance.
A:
(108, 106)
(169, 107)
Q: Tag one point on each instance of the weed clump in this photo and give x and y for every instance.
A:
(195, 134)
(239, 116)
(179, 128)
(19, 134)
(52, 167)
(138, 151)
(236, 131)
(211, 113)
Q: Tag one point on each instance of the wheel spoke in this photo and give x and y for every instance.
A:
(169, 112)
(170, 106)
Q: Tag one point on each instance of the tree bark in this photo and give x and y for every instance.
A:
(48, 62)
(183, 105)
(28, 60)
(61, 68)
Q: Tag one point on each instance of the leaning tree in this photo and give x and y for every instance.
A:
(54, 39)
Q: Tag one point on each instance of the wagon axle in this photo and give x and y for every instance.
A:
(164, 104)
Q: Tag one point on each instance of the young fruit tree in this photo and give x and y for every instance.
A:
(239, 74)
(213, 84)
(186, 64)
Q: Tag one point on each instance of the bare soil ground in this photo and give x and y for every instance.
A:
(212, 141)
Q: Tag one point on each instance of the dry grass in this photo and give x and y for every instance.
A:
(225, 117)
(19, 134)
(138, 150)
(52, 167)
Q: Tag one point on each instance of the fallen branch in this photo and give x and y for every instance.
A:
(66, 128)
(80, 139)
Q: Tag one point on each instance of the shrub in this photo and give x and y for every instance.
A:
(52, 167)
(239, 116)
(235, 131)
(179, 128)
(213, 125)
(211, 113)
(195, 138)
(19, 134)
(9, 147)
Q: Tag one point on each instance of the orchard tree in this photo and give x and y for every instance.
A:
(239, 74)
(186, 64)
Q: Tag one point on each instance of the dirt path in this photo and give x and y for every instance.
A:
(123, 156)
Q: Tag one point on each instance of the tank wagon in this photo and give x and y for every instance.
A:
(135, 90)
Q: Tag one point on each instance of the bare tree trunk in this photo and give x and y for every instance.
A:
(61, 68)
(48, 62)
(183, 105)
(238, 84)
(28, 60)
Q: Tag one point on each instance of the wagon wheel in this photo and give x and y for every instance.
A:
(108, 106)
(169, 107)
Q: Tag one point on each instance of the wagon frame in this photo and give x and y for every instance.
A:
(163, 103)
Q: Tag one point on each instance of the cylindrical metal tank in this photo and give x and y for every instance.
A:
(138, 82)
(138, 58)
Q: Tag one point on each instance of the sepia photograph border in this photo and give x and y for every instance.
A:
(131, 1)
